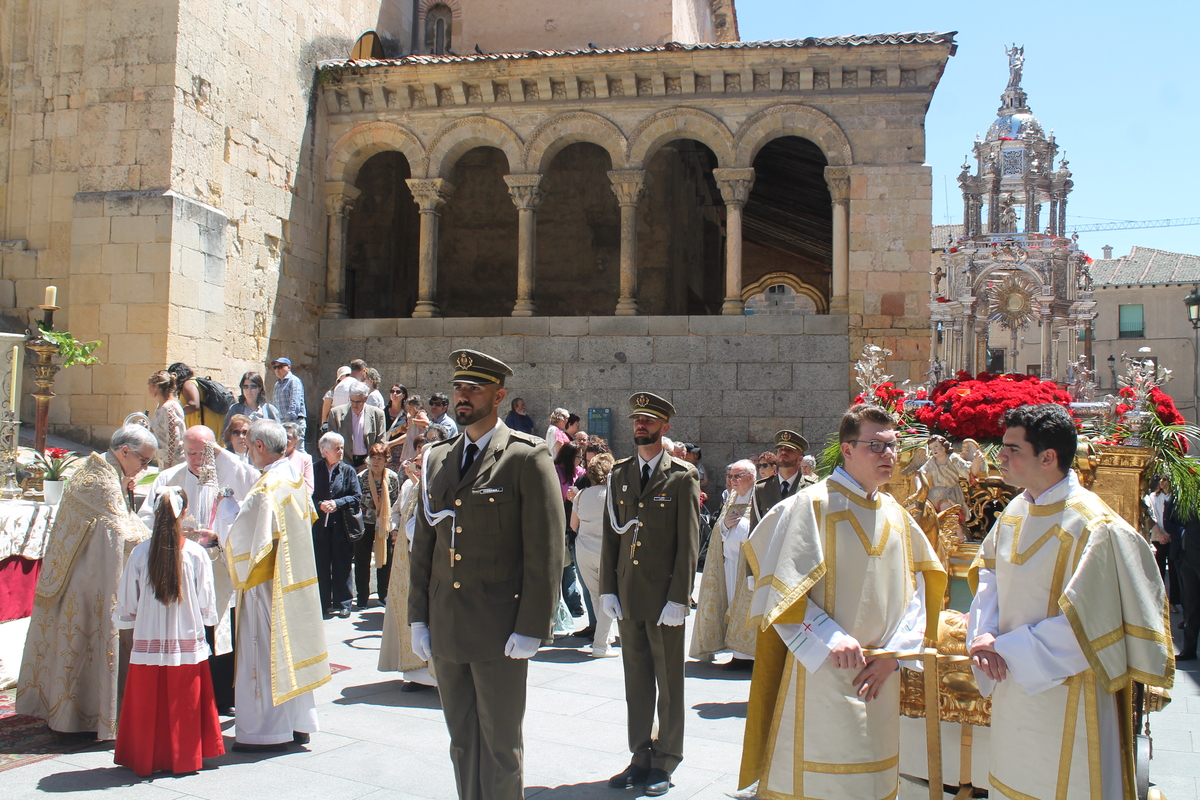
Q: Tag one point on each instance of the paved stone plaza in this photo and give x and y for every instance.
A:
(377, 742)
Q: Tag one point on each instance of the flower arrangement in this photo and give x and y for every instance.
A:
(966, 407)
(54, 463)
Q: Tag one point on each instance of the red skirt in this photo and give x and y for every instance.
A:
(168, 719)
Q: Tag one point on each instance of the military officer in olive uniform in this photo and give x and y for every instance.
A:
(789, 449)
(648, 563)
(486, 570)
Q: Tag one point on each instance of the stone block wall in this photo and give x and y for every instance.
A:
(734, 381)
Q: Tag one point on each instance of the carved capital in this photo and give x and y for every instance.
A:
(838, 180)
(526, 191)
(340, 197)
(735, 184)
(629, 185)
(430, 194)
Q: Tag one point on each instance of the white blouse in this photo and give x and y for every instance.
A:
(589, 506)
(163, 635)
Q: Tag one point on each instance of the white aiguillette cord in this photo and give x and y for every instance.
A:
(431, 516)
(612, 516)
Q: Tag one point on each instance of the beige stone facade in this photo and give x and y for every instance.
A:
(191, 180)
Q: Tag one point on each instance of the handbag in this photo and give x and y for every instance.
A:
(356, 528)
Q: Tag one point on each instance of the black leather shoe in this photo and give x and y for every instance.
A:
(1190, 655)
(260, 748)
(658, 782)
(631, 776)
(739, 663)
(299, 737)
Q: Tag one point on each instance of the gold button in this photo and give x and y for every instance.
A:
(458, 529)
(635, 562)
(458, 502)
(641, 505)
(639, 544)
(457, 585)
(491, 499)
(458, 556)
(662, 505)
(516, 597)
(622, 502)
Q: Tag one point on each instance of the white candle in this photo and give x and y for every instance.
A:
(51, 296)
(12, 389)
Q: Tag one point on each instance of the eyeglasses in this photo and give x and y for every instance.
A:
(877, 446)
(435, 404)
(239, 433)
(395, 391)
(246, 386)
(143, 460)
(740, 475)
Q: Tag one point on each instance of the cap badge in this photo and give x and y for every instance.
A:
(641, 401)
(464, 361)
(785, 436)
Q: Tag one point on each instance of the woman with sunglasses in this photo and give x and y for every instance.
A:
(236, 437)
(251, 403)
(396, 422)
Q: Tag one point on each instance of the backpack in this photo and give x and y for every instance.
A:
(214, 396)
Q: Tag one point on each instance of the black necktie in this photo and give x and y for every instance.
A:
(784, 488)
(645, 475)
(472, 450)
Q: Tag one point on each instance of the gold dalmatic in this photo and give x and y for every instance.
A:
(1074, 557)
(723, 622)
(807, 733)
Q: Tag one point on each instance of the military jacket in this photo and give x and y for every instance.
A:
(495, 566)
(655, 561)
(766, 495)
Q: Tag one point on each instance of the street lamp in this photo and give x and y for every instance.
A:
(1112, 369)
(1192, 302)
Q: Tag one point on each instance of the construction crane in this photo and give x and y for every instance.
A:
(1127, 225)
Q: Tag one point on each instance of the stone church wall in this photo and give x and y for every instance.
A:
(734, 381)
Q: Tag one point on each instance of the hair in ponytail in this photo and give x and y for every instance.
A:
(165, 564)
(164, 384)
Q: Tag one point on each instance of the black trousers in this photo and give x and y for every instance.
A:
(334, 554)
(223, 666)
(1189, 582)
(362, 567)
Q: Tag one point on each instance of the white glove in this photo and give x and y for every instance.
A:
(672, 615)
(519, 646)
(611, 606)
(420, 640)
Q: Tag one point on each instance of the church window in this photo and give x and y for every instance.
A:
(1131, 321)
(437, 29)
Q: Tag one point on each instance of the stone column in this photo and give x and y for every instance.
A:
(735, 185)
(1047, 333)
(628, 185)
(339, 200)
(838, 179)
(430, 195)
(526, 194)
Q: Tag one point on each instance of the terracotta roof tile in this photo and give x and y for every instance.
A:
(825, 41)
(1145, 265)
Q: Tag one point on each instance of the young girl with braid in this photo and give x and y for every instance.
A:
(168, 716)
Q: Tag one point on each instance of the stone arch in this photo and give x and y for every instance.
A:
(1029, 272)
(680, 123)
(456, 138)
(566, 129)
(792, 119)
(797, 285)
(356, 145)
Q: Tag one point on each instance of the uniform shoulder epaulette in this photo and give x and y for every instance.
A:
(525, 438)
(624, 460)
(447, 442)
(762, 481)
(687, 466)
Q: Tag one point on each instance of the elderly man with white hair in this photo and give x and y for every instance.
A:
(336, 494)
(360, 425)
(281, 651)
(722, 621)
(72, 662)
(216, 482)
(808, 471)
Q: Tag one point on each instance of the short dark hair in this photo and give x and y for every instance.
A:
(572, 419)
(516, 400)
(1047, 426)
(439, 398)
(358, 364)
(859, 413)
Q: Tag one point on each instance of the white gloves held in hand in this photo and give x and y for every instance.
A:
(420, 640)
(611, 606)
(521, 647)
(672, 615)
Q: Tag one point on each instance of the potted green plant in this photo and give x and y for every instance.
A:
(54, 465)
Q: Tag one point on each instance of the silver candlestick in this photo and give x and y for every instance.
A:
(10, 429)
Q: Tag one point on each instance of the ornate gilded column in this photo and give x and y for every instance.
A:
(735, 185)
(1047, 334)
(838, 179)
(526, 194)
(430, 194)
(339, 200)
(629, 185)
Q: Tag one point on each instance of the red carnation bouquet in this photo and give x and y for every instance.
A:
(966, 407)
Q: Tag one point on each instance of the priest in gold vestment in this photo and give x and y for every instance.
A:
(723, 603)
(843, 577)
(73, 662)
(281, 653)
(1069, 611)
